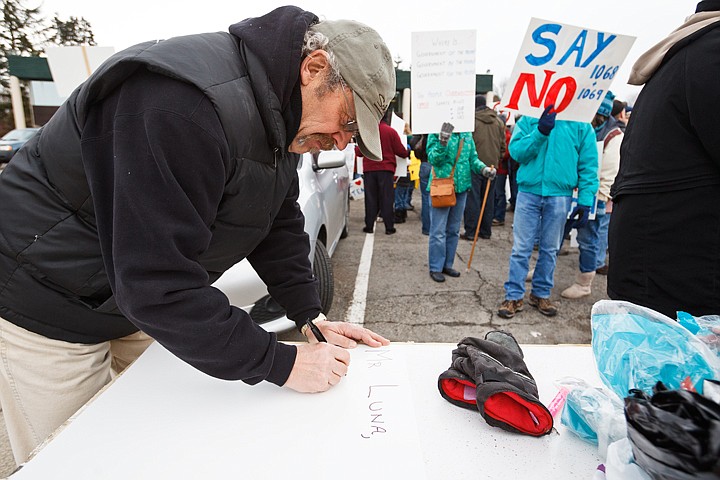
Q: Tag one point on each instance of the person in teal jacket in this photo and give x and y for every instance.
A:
(445, 222)
(555, 158)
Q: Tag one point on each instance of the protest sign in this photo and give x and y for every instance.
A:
(567, 66)
(443, 80)
(357, 188)
(70, 66)
(401, 164)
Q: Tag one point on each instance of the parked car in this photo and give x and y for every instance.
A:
(324, 182)
(11, 142)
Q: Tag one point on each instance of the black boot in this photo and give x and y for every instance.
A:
(400, 216)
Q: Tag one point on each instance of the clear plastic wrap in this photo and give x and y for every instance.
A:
(594, 414)
(705, 328)
(620, 464)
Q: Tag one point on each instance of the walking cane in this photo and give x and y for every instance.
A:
(477, 229)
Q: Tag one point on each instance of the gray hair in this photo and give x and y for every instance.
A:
(315, 40)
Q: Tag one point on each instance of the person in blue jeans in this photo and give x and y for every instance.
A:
(556, 158)
(402, 203)
(592, 239)
(418, 143)
(425, 170)
(442, 151)
(444, 237)
(501, 199)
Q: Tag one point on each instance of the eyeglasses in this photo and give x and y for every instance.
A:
(351, 126)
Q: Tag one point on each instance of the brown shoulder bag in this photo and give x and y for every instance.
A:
(442, 190)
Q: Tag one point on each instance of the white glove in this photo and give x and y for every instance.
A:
(489, 172)
(445, 133)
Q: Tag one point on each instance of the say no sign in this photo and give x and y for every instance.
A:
(569, 67)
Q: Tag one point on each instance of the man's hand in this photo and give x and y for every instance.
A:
(318, 367)
(579, 216)
(489, 172)
(347, 335)
(547, 120)
(445, 133)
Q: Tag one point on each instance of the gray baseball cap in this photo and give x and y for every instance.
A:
(366, 66)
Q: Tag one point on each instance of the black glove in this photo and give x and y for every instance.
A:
(489, 172)
(579, 216)
(445, 133)
(491, 375)
(547, 120)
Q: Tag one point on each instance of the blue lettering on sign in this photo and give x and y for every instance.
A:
(577, 48)
(546, 42)
(601, 45)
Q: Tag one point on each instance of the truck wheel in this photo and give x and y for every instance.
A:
(322, 268)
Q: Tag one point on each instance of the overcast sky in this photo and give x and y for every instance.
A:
(500, 24)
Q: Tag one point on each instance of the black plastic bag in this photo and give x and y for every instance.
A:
(675, 434)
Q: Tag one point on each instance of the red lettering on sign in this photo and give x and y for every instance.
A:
(552, 96)
(529, 80)
(548, 94)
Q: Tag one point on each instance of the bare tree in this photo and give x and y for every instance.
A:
(74, 31)
(500, 87)
(21, 33)
(24, 32)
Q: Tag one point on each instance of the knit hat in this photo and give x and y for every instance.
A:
(367, 67)
(480, 101)
(606, 105)
(618, 106)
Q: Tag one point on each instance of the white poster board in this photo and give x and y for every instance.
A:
(44, 94)
(385, 421)
(70, 66)
(401, 164)
(570, 67)
(443, 80)
(357, 188)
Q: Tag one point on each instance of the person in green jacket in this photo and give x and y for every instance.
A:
(555, 158)
(445, 222)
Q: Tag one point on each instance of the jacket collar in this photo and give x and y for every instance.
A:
(276, 40)
(650, 61)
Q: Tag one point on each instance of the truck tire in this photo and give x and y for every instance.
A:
(322, 268)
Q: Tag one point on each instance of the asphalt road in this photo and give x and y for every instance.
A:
(404, 304)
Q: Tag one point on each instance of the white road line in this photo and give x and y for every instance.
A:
(356, 310)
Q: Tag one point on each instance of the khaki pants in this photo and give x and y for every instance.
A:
(43, 382)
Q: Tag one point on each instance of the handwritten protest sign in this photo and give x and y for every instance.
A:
(570, 67)
(401, 164)
(70, 66)
(443, 80)
(380, 418)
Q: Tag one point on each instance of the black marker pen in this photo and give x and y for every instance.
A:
(316, 331)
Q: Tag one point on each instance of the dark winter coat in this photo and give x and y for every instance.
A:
(167, 167)
(489, 136)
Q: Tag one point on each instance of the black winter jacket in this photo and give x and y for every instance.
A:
(167, 167)
(671, 142)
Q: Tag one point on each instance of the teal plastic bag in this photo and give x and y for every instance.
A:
(636, 347)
